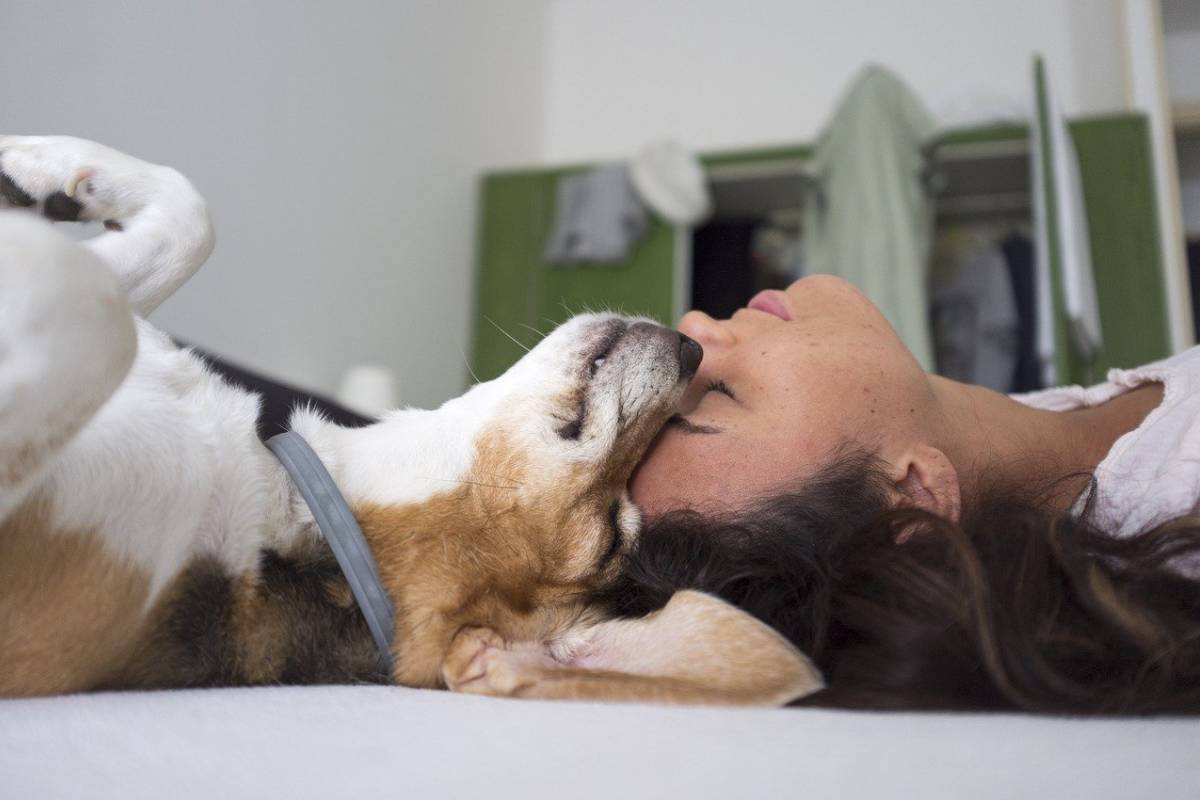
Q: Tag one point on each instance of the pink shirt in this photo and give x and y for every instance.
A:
(1152, 473)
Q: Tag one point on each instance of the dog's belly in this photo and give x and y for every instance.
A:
(168, 473)
(170, 469)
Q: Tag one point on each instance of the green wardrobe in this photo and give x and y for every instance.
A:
(518, 294)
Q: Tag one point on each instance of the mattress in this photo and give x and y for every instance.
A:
(366, 742)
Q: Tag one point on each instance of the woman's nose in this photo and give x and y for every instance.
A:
(711, 334)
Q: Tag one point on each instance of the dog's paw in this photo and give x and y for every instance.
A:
(66, 178)
(481, 662)
(466, 664)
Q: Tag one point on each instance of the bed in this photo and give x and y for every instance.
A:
(371, 741)
(360, 741)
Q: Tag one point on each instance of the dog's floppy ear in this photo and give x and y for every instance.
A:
(696, 649)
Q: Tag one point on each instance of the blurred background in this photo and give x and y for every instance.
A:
(401, 189)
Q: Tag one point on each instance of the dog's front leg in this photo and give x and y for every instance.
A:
(67, 341)
(158, 228)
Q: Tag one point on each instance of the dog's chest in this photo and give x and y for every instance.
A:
(171, 469)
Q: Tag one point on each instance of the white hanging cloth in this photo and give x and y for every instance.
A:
(1054, 154)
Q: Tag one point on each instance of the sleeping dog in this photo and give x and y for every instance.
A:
(149, 539)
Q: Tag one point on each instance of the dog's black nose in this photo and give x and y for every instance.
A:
(690, 356)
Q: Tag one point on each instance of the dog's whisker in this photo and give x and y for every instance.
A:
(467, 361)
(471, 483)
(535, 330)
(513, 481)
(511, 338)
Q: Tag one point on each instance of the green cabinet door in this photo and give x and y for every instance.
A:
(1117, 175)
(518, 294)
(1117, 184)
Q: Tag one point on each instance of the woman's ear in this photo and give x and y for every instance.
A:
(926, 479)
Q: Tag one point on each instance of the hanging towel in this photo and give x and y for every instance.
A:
(598, 217)
(871, 220)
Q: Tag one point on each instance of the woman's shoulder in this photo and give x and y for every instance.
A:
(1152, 473)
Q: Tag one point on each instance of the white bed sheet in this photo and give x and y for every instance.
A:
(367, 742)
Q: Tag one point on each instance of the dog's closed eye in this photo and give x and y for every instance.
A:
(616, 536)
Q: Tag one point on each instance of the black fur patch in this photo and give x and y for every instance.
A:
(327, 642)
(198, 646)
(299, 633)
(13, 193)
(62, 207)
(572, 429)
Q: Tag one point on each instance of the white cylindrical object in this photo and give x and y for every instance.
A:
(670, 179)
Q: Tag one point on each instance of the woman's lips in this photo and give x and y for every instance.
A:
(771, 302)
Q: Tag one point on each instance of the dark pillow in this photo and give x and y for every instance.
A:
(279, 399)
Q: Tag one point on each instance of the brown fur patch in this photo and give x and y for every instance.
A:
(73, 618)
(19, 462)
(516, 547)
(516, 556)
(70, 613)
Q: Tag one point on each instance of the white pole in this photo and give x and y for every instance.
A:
(1146, 91)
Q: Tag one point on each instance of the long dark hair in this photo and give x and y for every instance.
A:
(1012, 608)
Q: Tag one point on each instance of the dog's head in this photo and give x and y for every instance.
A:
(559, 435)
(503, 509)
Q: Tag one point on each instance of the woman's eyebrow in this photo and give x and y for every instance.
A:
(685, 426)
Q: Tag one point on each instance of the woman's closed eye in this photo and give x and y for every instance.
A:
(684, 425)
(721, 387)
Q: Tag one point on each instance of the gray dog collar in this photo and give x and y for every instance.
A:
(341, 530)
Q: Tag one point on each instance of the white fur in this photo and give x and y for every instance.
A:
(164, 462)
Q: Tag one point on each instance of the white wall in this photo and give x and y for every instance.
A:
(715, 73)
(338, 145)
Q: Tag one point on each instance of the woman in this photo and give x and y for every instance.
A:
(931, 544)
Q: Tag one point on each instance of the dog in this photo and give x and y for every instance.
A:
(148, 538)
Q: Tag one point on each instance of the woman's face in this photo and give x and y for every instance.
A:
(784, 383)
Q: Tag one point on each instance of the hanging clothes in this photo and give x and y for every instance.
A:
(1018, 252)
(1193, 261)
(598, 217)
(723, 274)
(973, 311)
(778, 252)
(871, 218)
